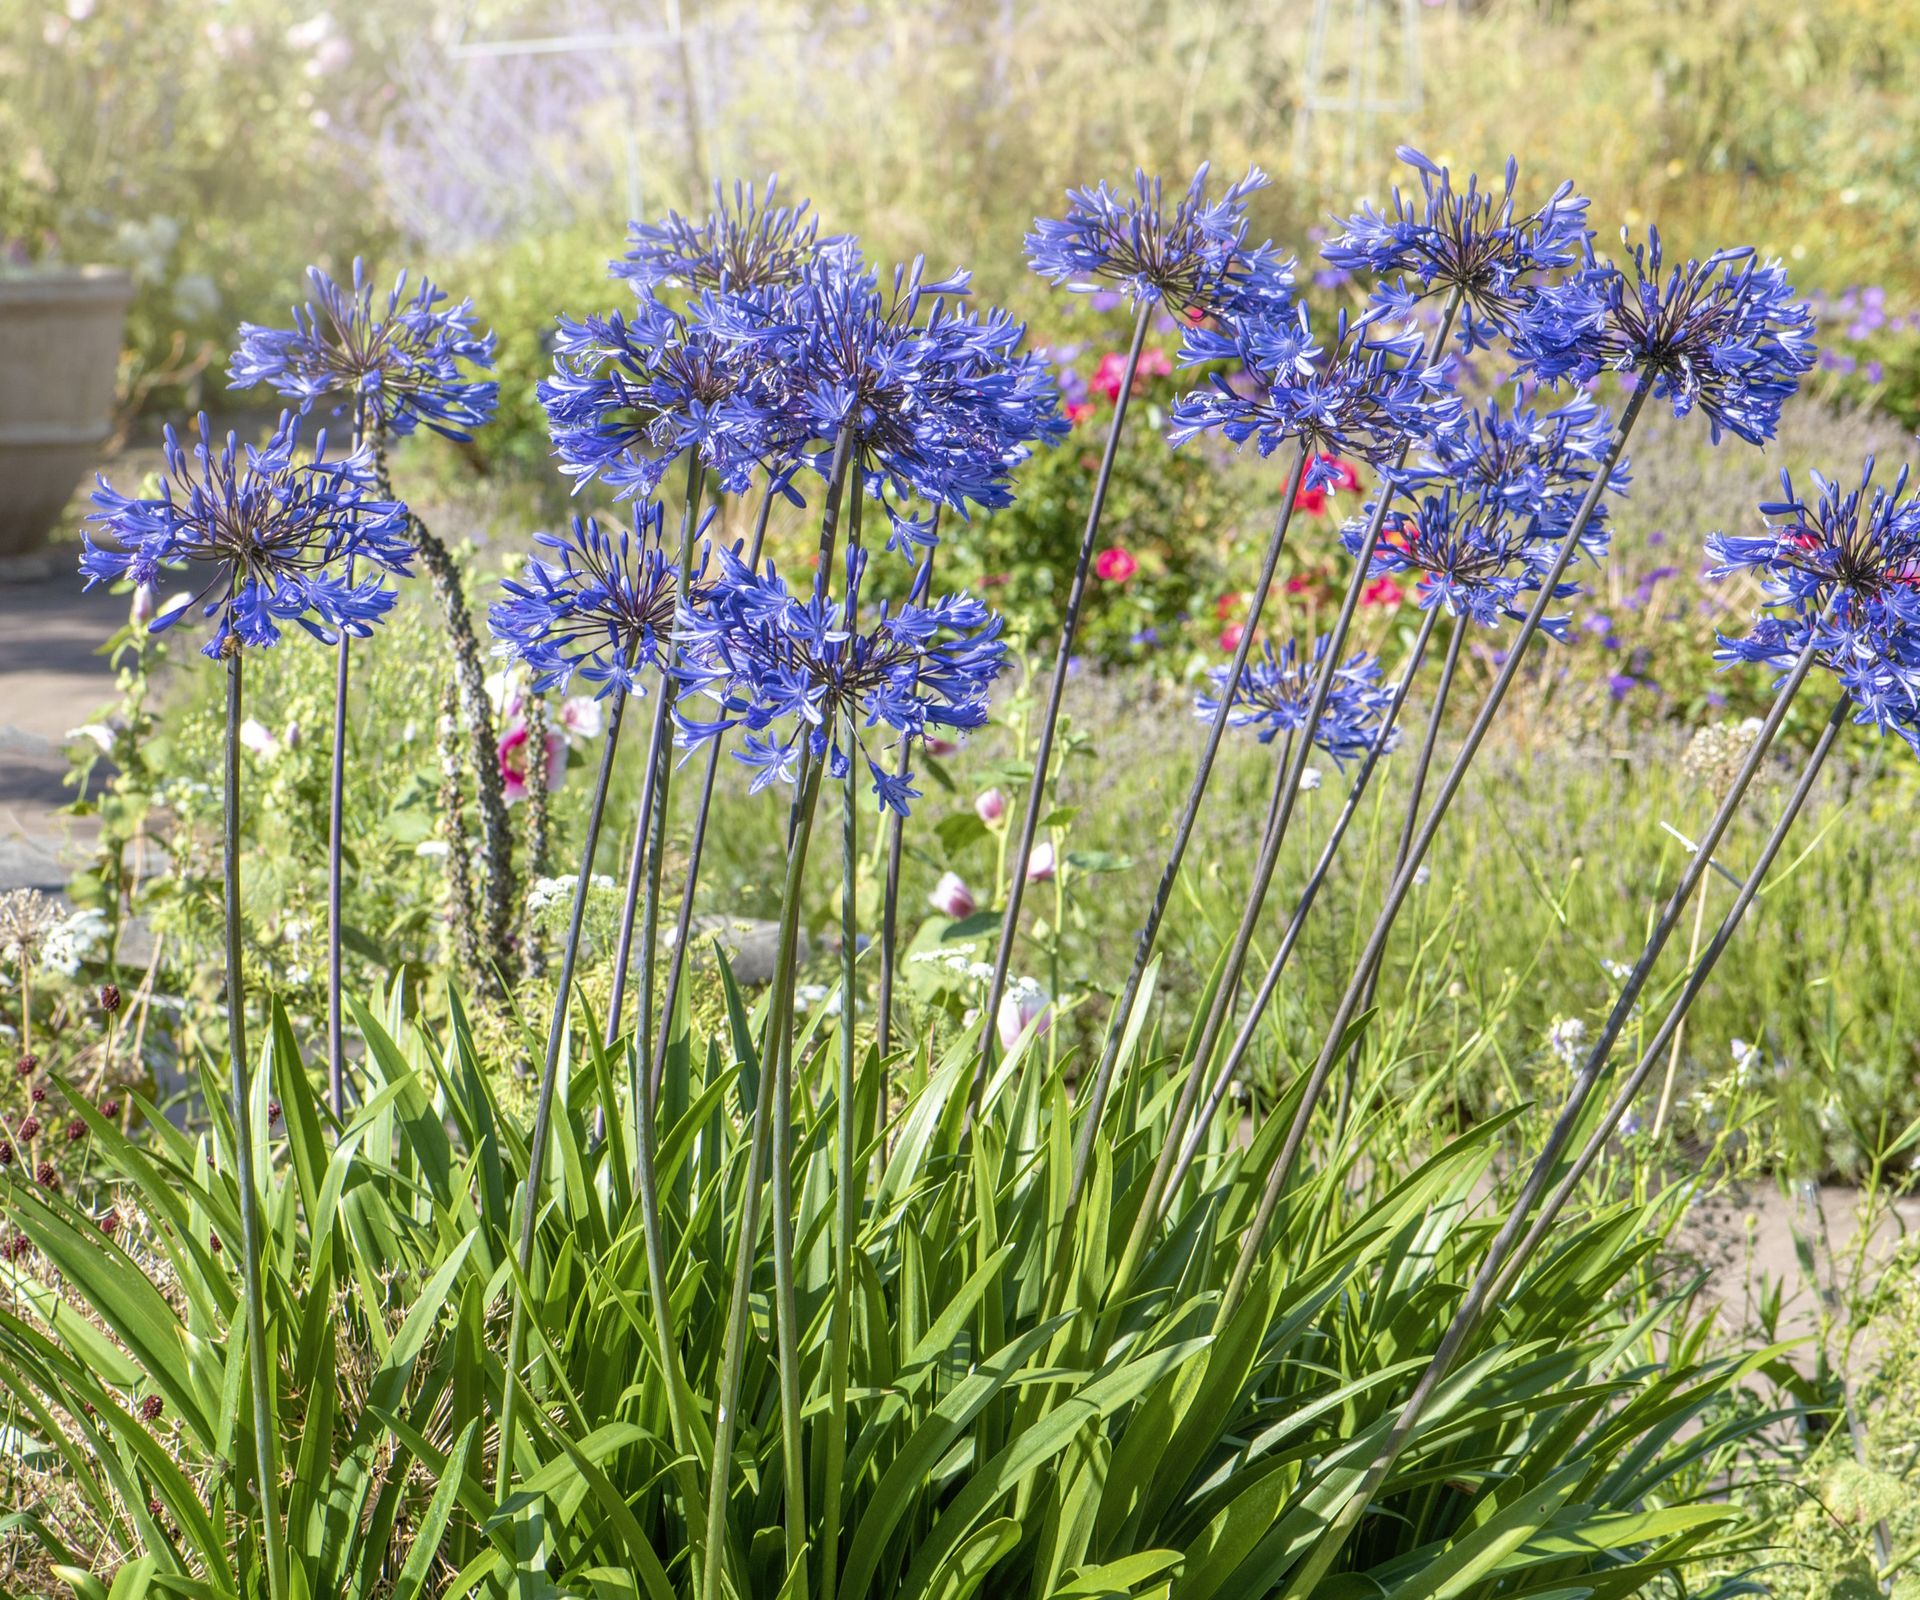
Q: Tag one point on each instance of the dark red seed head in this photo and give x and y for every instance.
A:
(76, 1131)
(155, 1509)
(273, 1111)
(29, 1128)
(213, 1242)
(6, 1154)
(109, 998)
(151, 1407)
(109, 1108)
(46, 1177)
(39, 1094)
(27, 1066)
(110, 1223)
(14, 1246)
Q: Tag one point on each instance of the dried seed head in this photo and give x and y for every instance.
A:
(109, 998)
(76, 1131)
(151, 1407)
(27, 1065)
(29, 1128)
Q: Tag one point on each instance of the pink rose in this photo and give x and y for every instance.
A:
(1115, 565)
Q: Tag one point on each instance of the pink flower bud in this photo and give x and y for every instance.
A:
(142, 611)
(259, 738)
(1026, 1002)
(937, 746)
(1040, 864)
(990, 807)
(951, 897)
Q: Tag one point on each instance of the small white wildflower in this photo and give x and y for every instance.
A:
(1421, 877)
(1566, 1038)
(808, 995)
(435, 849)
(1746, 1060)
(1619, 971)
(1309, 779)
(96, 733)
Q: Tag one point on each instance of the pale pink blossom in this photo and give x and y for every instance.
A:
(581, 718)
(1024, 1004)
(951, 897)
(259, 738)
(1040, 863)
(990, 807)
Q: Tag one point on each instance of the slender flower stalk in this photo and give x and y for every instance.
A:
(1374, 397)
(336, 807)
(402, 365)
(1410, 818)
(683, 923)
(1194, 259)
(1282, 694)
(543, 1105)
(262, 534)
(762, 1131)
(260, 1376)
(890, 895)
(1229, 1067)
(1502, 1263)
(1402, 884)
(1050, 714)
(649, 836)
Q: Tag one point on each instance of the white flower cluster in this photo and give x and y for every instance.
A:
(546, 893)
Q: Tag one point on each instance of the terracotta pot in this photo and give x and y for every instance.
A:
(60, 332)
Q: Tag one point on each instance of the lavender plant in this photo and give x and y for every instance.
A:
(269, 538)
(396, 369)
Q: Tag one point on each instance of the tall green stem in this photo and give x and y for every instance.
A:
(543, 1107)
(259, 1353)
(1503, 1261)
(1050, 717)
(1402, 886)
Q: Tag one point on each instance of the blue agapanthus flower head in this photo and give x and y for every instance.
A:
(604, 608)
(1369, 392)
(630, 394)
(936, 399)
(1193, 259)
(409, 359)
(265, 536)
(748, 241)
(1471, 555)
(1842, 570)
(794, 673)
(1535, 464)
(1275, 693)
(1725, 334)
(1472, 240)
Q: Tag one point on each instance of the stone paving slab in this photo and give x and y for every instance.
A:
(51, 681)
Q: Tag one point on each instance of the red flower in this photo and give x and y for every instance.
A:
(1078, 411)
(1113, 367)
(1115, 565)
(1382, 592)
(1227, 604)
(1231, 635)
(1311, 501)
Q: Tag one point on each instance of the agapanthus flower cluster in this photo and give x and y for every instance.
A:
(628, 394)
(1470, 241)
(1471, 554)
(751, 242)
(265, 536)
(409, 361)
(1195, 260)
(809, 673)
(1724, 335)
(604, 610)
(1841, 571)
(1535, 465)
(937, 400)
(1275, 693)
(1371, 394)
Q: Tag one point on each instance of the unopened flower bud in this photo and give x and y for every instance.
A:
(951, 897)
